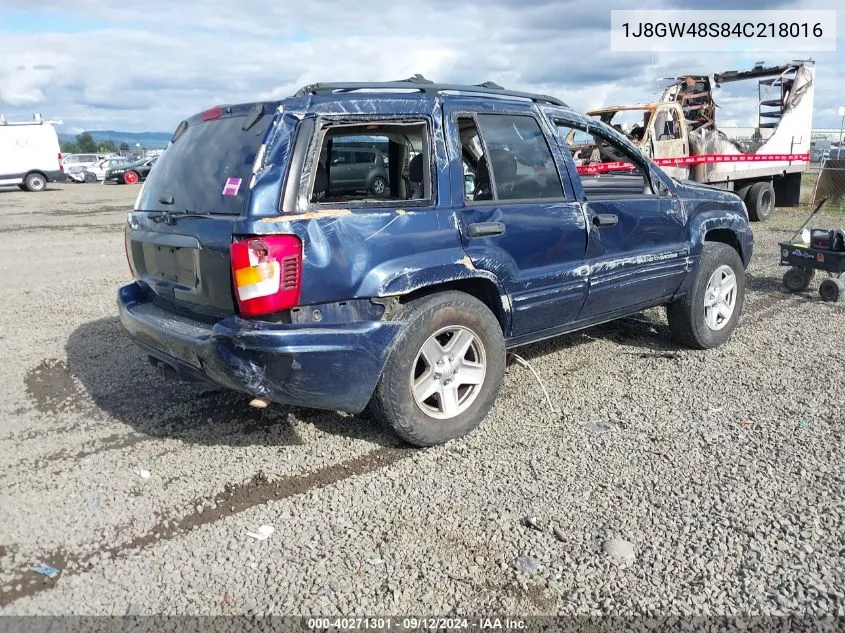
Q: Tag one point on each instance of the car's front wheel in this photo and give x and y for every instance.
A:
(709, 312)
(130, 177)
(444, 370)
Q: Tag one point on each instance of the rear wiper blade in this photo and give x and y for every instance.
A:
(170, 217)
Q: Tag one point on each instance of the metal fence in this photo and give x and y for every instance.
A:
(830, 184)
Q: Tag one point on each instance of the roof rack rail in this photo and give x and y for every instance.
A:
(426, 86)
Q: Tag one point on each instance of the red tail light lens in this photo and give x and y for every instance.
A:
(61, 164)
(267, 273)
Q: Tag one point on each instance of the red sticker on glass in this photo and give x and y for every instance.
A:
(232, 186)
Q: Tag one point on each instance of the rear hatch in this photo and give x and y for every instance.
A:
(178, 236)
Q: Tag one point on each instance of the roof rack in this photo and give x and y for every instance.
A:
(421, 84)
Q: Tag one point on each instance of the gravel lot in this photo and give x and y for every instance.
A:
(720, 471)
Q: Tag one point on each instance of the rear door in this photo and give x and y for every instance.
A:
(525, 227)
(183, 260)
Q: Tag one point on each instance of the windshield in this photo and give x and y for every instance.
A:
(208, 167)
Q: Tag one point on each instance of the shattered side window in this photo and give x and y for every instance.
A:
(373, 163)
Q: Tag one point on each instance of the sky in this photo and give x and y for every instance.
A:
(145, 66)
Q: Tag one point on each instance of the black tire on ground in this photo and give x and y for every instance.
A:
(760, 201)
(378, 186)
(35, 182)
(798, 279)
(687, 315)
(89, 177)
(832, 289)
(742, 192)
(393, 402)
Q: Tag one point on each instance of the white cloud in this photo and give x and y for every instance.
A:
(147, 69)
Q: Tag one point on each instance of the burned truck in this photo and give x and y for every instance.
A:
(680, 133)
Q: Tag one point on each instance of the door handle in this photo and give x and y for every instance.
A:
(486, 229)
(605, 219)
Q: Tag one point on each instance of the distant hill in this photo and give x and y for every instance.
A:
(147, 140)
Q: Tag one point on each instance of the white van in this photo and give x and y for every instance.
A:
(30, 155)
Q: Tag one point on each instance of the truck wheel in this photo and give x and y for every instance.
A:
(35, 182)
(832, 289)
(798, 279)
(709, 312)
(760, 201)
(444, 371)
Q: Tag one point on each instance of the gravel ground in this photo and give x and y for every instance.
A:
(665, 481)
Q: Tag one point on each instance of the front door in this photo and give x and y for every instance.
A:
(519, 221)
(637, 250)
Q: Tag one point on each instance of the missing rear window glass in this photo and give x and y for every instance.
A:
(373, 163)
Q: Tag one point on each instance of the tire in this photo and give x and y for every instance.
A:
(378, 186)
(798, 279)
(432, 324)
(832, 289)
(35, 182)
(742, 192)
(22, 187)
(760, 201)
(130, 178)
(90, 178)
(688, 316)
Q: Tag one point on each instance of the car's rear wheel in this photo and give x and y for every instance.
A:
(709, 312)
(444, 370)
(89, 177)
(131, 177)
(35, 182)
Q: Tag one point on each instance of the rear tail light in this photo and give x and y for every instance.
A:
(61, 164)
(267, 273)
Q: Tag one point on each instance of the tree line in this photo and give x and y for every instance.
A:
(85, 144)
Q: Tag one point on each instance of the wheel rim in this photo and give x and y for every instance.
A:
(720, 298)
(766, 202)
(378, 186)
(448, 372)
(130, 177)
(36, 183)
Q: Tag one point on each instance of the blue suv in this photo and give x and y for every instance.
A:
(506, 218)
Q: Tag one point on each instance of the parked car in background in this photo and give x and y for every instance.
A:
(30, 156)
(131, 173)
(77, 162)
(358, 169)
(100, 168)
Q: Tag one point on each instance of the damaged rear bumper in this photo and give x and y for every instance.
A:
(325, 366)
